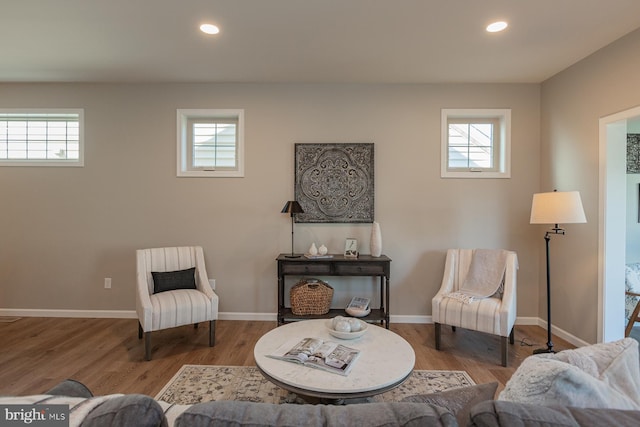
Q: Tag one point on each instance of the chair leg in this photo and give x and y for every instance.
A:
(633, 319)
(453, 328)
(212, 333)
(139, 331)
(147, 345)
(505, 350)
(195, 326)
(512, 336)
(437, 333)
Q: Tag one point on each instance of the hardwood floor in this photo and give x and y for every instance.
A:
(106, 355)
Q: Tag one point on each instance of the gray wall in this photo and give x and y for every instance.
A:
(606, 82)
(63, 230)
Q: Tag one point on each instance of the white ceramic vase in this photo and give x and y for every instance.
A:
(313, 250)
(322, 250)
(375, 244)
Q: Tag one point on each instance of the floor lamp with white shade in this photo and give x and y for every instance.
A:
(557, 207)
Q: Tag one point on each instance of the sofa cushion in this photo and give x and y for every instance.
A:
(458, 401)
(596, 376)
(108, 410)
(236, 413)
(100, 411)
(130, 409)
(500, 413)
(71, 388)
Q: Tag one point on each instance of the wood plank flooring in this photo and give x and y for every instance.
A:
(106, 355)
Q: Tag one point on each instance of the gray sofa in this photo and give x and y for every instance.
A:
(459, 407)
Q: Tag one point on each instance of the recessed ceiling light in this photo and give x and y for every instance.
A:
(209, 29)
(496, 27)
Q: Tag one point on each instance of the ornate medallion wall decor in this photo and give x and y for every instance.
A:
(334, 182)
(633, 153)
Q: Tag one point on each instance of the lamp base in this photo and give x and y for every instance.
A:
(543, 350)
(292, 256)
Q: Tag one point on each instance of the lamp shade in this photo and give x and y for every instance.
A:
(292, 206)
(557, 207)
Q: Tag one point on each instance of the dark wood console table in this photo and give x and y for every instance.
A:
(364, 265)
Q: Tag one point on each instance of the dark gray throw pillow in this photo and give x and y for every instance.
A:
(172, 280)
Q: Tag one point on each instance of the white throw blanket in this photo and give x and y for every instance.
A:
(485, 277)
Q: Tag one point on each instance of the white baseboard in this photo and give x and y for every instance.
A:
(563, 334)
(527, 321)
(119, 314)
(401, 318)
(265, 317)
(261, 317)
(86, 314)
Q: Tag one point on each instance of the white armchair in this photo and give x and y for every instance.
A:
(493, 315)
(178, 296)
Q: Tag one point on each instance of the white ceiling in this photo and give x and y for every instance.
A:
(368, 41)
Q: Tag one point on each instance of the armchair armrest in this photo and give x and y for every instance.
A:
(143, 302)
(202, 279)
(508, 306)
(449, 275)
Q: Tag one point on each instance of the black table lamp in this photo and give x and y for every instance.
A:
(292, 207)
(555, 208)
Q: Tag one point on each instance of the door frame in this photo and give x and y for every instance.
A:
(611, 227)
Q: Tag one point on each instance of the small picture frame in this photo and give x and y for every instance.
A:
(351, 248)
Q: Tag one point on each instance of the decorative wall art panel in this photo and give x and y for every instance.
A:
(633, 153)
(334, 182)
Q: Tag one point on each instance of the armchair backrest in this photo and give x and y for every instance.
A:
(168, 259)
(457, 266)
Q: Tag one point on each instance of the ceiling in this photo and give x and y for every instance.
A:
(308, 41)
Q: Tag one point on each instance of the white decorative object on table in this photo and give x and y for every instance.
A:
(346, 328)
(322, 250)
(313, 250)
(358, 307)
(375, 244)
(357, 312)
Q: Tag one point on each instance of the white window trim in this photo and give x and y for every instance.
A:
(504, 161)
(183, 116)
(79, 162)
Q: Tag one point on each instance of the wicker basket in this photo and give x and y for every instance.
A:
(311, 297)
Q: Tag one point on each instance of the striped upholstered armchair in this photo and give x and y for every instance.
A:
(173, 290)
(494, 314)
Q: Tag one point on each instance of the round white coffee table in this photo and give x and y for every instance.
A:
(385, 361)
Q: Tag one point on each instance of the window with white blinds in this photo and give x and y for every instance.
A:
(34, 137)
(475, 143)
(210, 143)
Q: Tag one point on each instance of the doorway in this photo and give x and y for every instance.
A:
(612, 224)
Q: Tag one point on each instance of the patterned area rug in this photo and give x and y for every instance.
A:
(204, 383)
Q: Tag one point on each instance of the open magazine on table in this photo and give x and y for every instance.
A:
(317, 353)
